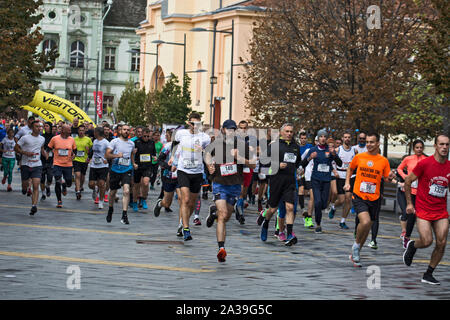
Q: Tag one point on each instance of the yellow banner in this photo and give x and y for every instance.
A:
(59, 105)
(44, 114)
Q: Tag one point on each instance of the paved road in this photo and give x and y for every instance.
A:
(41, 255)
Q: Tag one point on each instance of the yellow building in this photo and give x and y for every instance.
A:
(171, 22)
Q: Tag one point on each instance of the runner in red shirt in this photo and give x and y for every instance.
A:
(431, 205)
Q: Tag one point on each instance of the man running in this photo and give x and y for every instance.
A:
(304, 145)
(191, 143)
(226, 165)
(98, 173)
(145, 155)
(121, 151)
(63, 147)
(433, 174)
(282, 183)
(80, 163)
(346, 153)
(372, 167)
(8, 157)
(31, 146)
(47, 163)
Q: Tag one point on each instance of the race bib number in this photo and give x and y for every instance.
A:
(290, 157)
(322, 167)
(174, 175)
(80, 153)
(98, 160)
(9, 153)
(246, 170)
(50, 154)
(345, 165)
(438, 191)
(124, 161)
(415, 184)
(145, 158)
(261, 176)
(35, 157)
(190, 163)
(368, 187)
(63, 152)
(228, 169)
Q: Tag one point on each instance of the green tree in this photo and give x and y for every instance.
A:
(131, 105)
(20, 63)
(172, 102)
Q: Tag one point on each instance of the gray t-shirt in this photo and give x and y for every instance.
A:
(98, 159)
(32, 144)
(8, 147)
(190, 150)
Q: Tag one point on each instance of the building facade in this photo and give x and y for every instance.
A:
(216, 90)
(94, 40)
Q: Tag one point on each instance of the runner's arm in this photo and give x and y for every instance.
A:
(400, 169)
(408, 181)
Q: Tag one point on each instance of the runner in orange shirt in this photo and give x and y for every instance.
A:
(372, 167)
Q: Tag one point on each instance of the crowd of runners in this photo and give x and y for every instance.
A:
(274, 169)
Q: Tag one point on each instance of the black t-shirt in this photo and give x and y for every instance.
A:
(227, 170)
(144, 149)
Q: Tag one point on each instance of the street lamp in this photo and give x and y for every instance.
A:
(176, 44)
(153, 54)
(213, 78)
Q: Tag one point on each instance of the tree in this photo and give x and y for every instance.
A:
(20, 64)
(131, 105)
(317, 62)
(172, 102)
(433, 54)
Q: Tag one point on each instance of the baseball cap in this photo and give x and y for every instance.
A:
(229, 124)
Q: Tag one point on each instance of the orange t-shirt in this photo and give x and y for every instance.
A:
(371, 169)
(410, 163)
(62, 150)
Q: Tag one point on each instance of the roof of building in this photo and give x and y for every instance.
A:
(126, 13)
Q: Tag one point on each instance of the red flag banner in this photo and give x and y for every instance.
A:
(99, 102)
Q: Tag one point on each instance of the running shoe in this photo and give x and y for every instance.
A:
(78, 194)
(187, 234)
(9, 189)
(264, 233)
(309, 223)
(140, 205)
(331, 213)
(197, 222)
(96, 200)
(33, 210)
(134, 205)
(109, 216)
(64, 189)
(43, 197)
(47, 191)
(372, 244)
(221, 255)
(238, 211)
(405, 242)
(354, 257)
(291, 240)
(124, 219)
(211, 216)
(241, 220)
(157, 208)
(342, 225)
(408, 255)
(144, 204)
(4, 180)
(402, 236)
(428, 278)
(59, 205)
(180, 231)
(318, 230)
(282, 236)
(106, 198)
(100, 205)
(260, 218)
(94, 196)
(168, 210)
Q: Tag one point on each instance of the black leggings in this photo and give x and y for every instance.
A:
(154, 169)
(409, 218)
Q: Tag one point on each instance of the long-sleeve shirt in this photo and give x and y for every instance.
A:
(410, 163)
(323, 163)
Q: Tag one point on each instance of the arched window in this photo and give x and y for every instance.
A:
(48, 46)
(161, 78)
(77, 54)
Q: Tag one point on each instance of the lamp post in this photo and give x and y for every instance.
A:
(213, 78)
(153, 54)
(176, 44)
